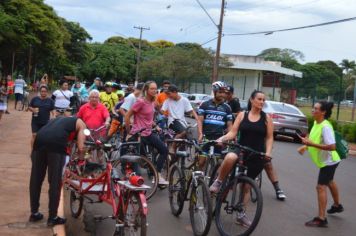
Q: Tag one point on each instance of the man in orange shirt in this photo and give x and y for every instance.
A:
(163, 95)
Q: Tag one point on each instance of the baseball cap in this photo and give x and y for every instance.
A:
(230, 89)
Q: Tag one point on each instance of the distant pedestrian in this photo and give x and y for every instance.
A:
(62, 97)
(3, 97)
(19, 89)
(322, 149)
(10, 89)
(41, 107)
(44, 80)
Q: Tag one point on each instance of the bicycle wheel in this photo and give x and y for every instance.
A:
(214, 174)
(209, 168)
(176, 190)
(135, 222)
(235, 213)
(76, 203)
(25, 104)
(258, 180)
(200, 209)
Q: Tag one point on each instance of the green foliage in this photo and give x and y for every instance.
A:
(347, 130)
(288, 57)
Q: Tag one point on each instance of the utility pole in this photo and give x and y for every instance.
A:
(217, 55)
(139, 52)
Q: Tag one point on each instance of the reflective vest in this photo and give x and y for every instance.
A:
(317, 154)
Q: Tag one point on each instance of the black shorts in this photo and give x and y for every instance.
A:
(326, 174)
(36, 127)
(178, 126)
(18, 97)
(254, 164)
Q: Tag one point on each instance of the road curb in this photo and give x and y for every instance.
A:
(59, 230)
(352, 153)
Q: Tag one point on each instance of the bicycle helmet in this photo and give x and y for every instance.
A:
(108, 84)
(97, 78)
(218, 85)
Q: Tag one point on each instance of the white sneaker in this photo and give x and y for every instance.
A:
(161, 180)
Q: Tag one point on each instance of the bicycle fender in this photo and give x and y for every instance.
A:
(144, 203)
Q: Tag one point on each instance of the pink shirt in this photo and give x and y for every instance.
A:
(143, 111)
(93, 117)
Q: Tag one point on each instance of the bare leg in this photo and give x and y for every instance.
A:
(271, 173)
(334, 192)
(322, 200)
(228, 163)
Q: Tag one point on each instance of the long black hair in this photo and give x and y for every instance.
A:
(253, 95)
(327, 107)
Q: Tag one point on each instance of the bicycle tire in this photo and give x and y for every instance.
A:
(74, 199)
(223, 199)
(258, 180)
(207, 208)
(176, 190)
(135, 222)
(209, 167)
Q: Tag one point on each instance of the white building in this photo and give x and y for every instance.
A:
(249, 73)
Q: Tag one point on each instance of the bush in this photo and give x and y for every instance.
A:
(347, 130)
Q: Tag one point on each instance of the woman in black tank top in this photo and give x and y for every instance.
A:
(256, 130)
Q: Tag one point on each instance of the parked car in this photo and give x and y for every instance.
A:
(288, 120)
(186, 95)
(348, 103)
(196, 99)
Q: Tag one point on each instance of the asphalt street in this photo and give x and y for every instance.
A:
(298, 177)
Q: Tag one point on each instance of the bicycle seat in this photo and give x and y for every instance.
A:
(182, 154)
(130, 158)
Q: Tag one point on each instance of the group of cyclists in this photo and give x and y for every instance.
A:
(137, 112)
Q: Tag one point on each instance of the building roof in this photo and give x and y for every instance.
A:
(266, 67)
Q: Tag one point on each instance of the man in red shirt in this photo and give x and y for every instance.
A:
(94, 114)
(10, 87)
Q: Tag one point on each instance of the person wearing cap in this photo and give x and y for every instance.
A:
(233, 101)
(108, 98)
(96, 84)
(19, 89)
(176, 106)
(129, 89)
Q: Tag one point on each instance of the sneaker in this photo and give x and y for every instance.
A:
(317, 222)
(7, 112)
(280, 195)
(161, 180)
(34, 217)
(335, 209)
(215, 187)
(243, 220)
(56, 221)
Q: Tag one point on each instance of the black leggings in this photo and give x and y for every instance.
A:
(41, 160)
(154, 141)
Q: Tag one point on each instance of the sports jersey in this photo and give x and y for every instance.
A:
(216, 117)
(108, 100)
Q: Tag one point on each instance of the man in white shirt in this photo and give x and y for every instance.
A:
(176, 106)
(131, 99)
(19, 87)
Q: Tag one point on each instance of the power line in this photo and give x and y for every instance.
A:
(268, 32)
(139, 52)
(202, 7)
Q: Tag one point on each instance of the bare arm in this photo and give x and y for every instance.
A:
(326, 147)
(127, 120)
(269, 138)
(80, 126)
(234, 129)
(122, 111)
(200, 121)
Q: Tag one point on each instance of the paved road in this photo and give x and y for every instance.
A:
(298, 178)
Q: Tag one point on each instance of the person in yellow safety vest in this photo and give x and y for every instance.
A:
(321, 146)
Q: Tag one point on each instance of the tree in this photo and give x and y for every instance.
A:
(349, 67)
(288, 57)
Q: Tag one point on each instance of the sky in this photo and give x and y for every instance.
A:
(185, 21)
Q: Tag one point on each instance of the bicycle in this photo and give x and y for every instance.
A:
(25, 101)
(125, 195)
(144, 167)
(183, 180)
(235, 214)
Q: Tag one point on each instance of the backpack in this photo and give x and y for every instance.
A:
(342, 147)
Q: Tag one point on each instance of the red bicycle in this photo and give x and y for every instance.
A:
(126, 195)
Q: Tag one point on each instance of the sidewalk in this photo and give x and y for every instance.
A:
(15, 169)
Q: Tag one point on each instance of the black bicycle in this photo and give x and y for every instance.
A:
(188, 179)
(236, 213)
